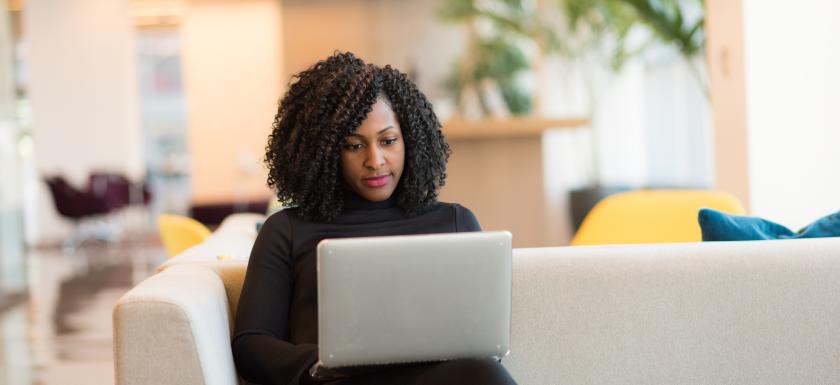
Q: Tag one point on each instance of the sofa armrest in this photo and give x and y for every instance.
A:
(174, 328)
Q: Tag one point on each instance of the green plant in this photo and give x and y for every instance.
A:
(496, 60)
(595, 21)
(496, 55)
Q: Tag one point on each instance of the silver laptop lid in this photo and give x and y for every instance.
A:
(414, 298)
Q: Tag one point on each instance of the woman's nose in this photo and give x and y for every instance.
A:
(375, 158)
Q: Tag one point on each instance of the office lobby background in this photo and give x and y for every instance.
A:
(187, 89)
(180, 94)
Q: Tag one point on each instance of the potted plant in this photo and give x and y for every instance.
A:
(602, 27)
(508, 38)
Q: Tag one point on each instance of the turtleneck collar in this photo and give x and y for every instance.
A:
(354, 201)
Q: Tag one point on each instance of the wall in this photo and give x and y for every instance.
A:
(792, 82)
(82, 93)
(775, 91)
(677, 125)
(312, 30)
(232, 66)
(725, 58)
(405, 34)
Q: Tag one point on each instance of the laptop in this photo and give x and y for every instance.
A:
(415, 298)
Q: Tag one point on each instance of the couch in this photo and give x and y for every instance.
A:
(764, 312)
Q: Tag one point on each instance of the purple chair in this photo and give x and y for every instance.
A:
(116, 189)
(76, 205)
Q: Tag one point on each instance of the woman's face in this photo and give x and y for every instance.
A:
(373, 156)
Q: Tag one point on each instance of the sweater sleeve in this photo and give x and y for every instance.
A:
(261, 348)
(465, 220)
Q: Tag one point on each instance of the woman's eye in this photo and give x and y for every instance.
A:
(390, 141)
(353, 147)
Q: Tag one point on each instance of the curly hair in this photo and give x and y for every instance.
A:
(329, 101)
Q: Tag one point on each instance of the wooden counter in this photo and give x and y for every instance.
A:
(515, 127)
(496, 170)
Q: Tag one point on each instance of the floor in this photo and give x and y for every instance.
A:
(61, 334)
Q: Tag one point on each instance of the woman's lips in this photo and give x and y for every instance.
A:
(377, 181)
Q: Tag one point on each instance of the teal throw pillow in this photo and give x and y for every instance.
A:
(719, 226)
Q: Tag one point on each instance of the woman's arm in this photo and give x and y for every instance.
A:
(260, 344)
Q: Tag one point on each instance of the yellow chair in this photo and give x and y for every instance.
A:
(179, 233)
(651, 216)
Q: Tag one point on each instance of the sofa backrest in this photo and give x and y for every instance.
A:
(233, 276)
(696, 313)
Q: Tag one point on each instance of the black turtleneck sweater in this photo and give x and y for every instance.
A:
(276, 329)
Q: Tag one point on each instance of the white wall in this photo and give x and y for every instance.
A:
(792, 62)
(651, 120)
(231, 66)
(677, 125)
(82, 92)
(12, 269)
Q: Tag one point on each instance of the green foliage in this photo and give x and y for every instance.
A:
(500, 61)
(613, 19)
(458, 10)
(497, 57)
(592, 25)
(517, 101)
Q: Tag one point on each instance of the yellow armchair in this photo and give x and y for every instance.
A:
(179, 233)
(651, 216)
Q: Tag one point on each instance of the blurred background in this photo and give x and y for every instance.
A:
(114, 112)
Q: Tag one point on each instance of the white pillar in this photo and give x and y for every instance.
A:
(793, 93)
(83, 93)
(12, 270)
(778, 87)
(725, 58)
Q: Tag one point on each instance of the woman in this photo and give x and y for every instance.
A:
(357, 151)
